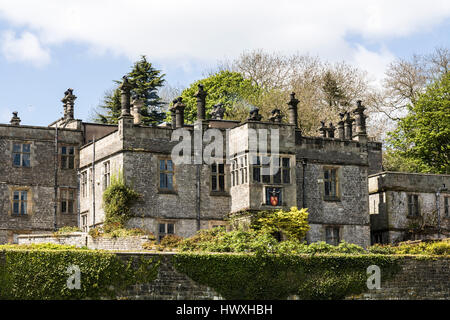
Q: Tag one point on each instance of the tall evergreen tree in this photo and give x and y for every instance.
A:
(146, 80)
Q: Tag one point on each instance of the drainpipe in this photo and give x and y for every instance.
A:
(438, 207)
(93, 182)
(198, 195)
(55, 206)
(304, 183)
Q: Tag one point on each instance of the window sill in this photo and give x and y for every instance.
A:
(219, 194)
(166, 191)
(331, 199)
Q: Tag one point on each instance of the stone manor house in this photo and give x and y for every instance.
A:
(54, 176)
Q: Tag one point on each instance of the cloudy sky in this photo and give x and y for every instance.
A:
(47, 46)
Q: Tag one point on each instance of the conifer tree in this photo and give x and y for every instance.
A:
(146, 80)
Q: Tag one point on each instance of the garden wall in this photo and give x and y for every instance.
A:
(80, 239)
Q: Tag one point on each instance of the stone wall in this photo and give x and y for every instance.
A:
(418, 280)
(80, 239)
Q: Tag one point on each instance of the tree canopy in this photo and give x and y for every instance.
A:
(226, 87)
(146, 80)
(422, 138)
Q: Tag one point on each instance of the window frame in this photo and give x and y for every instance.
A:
(20, 202)
(67, 201)
(165, 172)
(218, 176)
(413, 206)
(334, 241)
(106, 167)
(67, 159)
(446, 207)
(166, 224)
(84, 183)
(336, 181)
(258, 177)
(21, 154)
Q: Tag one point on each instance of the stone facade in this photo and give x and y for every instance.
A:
(403, 206)
(327, 174)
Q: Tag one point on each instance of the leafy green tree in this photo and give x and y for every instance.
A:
(226, 87)
(146, 80)
(334, 95)
(423, 136)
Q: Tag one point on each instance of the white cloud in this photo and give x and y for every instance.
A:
(206, 30)
(375, 63)
(24, 48)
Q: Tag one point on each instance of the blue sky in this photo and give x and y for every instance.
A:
(48, 46)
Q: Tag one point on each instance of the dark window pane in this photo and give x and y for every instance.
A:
(162, 180)
(213, 168)
(326, 174)
(16, 147)
(169, 165)
(63, 162)
(16, 207)
(256, 174)
(170, 181)
(221, 168)
(286, 162)
(221, 183)
(71, 150)
(63, 150)
(327, 188)
(70, 206)
(16, 159)
(26, 159)
(170, 228)
(266, 178)
(26, 148)
(214, 183)
(162, 165)
(286, 176)
(63, 207)
(23, 196)
(162, 228)
(16, 195)
(277, 176)
(71, 163)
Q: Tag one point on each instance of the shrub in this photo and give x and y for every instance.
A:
(170, 241)
(67, 229)
(117, 201)
(41, 273)
(293, 224)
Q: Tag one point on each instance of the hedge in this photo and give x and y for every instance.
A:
(256, 277)
(30, 274)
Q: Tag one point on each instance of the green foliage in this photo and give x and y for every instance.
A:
(145, 81)
(40, 246)
(117, 201)
(423, 136)
(67, 229)
(226, 87)
(292, 224)
(420, 248)
(42, 273)
(277, 277)
(171, 241)
(217, 240)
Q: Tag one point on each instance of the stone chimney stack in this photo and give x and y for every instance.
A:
(173, 114)
(125, 89)
(348, 124)
(341, 132)
(292, 110)
(15, 120)
(68, 103)
(201, 103)
(331, 130)
(138, 104)
(360, 118)
(323, 129)
(179, 112)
